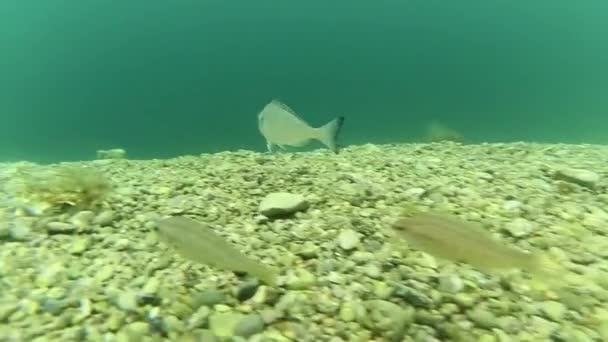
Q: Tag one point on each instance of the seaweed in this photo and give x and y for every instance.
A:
(62, 187)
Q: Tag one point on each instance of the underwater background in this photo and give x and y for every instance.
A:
(166, 78)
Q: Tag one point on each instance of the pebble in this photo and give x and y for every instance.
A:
(249, 325)
(348, 239)
(271, 315)
(104, 218)
(372, 271)
(362, 257)
(464, 300)
(206, 335)
(552, 310)
(127, 300)
(133, 331)
(7, 309)
(482, 318)
(335, 278)
(281, 204)
(450, 283)
(173, 325)
(20, 229)
(309, 250)
(80, 245)
(247, 290)
(52, 306)
(300, 279)
(82, 219)
(200, 318)
(519, 227)
(104, 273)
(223, 324)
(347, 312)
(602, 330)
(5, 230)
(382, 290)
(413, 296)
(512, 205)
(150, 287)
(50, 274)
(415, 192)
(209, 298)
(61, 228)
(386, 318)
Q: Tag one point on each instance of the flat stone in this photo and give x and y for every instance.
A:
(282, 203)
(150, 287)
(79, 245)
(223, 324)
(104, 218)
(127, 301)
(301, 279)
(209, 297)
(387, 319)
(5, 230)
(61, 228)
(450, 284)
(482, 318)
(552, 310)
(21, 228)
(249, 325)
(581, 177)
(519, 227)
(348, 239)
(82, 219)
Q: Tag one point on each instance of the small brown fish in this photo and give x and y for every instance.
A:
(448, 237)
(195, 241)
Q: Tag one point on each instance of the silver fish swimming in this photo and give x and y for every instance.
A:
(197, 242)
(281, 126)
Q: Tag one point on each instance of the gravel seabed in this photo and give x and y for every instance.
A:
(102, 275)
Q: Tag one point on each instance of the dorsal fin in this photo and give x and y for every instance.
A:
(284, 107)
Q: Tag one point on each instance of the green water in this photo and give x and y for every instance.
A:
(164, 78)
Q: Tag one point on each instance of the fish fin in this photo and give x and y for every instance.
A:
(269, 147)
(328, 133)
(284, 107)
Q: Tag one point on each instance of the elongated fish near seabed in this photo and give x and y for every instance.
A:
(194, 241)
(448, 237)
(281, 126)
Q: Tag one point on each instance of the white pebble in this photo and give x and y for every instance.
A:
(450, 284)
(519, 227)
(348, 239)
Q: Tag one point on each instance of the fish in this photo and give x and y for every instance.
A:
(448, 237)
(197, 242)
(281, 126)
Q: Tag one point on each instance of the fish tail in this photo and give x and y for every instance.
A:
(328, 133)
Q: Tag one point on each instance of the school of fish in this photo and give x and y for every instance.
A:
(441, 235)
